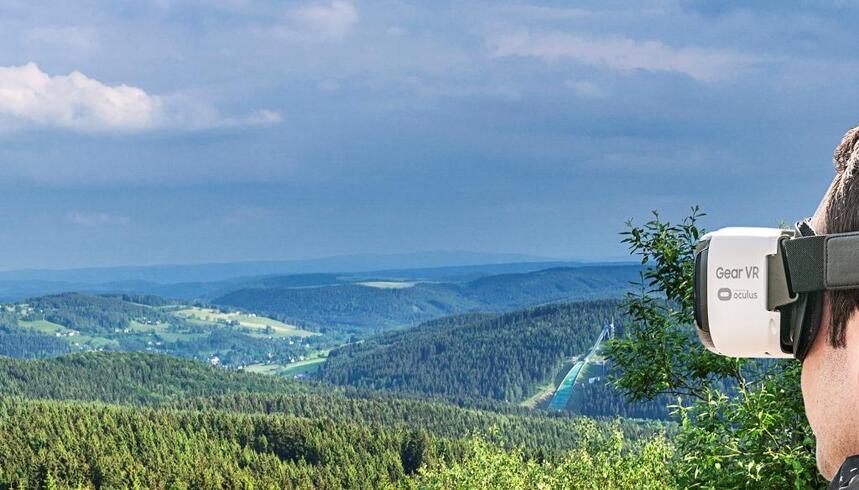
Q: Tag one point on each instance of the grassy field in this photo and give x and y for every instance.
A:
(158, 328)
(301, 367)
(271, 369)
(187, 331)
(92, 342)
(259, 326)
(79, 341)
(256, 326)
(545, 391)
(543, 395)
(387, 284)
(309, 365)
(43, 326)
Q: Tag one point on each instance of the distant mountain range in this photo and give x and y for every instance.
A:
(377, 305)
(208, 281)
(340, 305)
(169, 274)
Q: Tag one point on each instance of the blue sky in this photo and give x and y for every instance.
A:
(186, 131)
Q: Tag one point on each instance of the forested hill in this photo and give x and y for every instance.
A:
(128, 378)
(507, 291)
(49, 444)
(101, 314)
(365, 307)
(503, 357)
(160, 381)
(54, 325)
(174, 423)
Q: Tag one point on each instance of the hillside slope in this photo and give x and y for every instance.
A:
(76, 445)
(53, 325)
(160, 381)
(503, 357)
(353, 305)
(128, 378)
(373, 308)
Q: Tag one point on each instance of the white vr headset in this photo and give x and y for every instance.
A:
(759, 291)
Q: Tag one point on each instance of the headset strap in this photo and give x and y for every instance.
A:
(822, 262)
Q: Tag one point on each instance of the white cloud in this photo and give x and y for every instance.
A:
(624, 54)
(78, 38)
(332, 21)
(586, 89)
(328, 85)
(30, 97)
(263, 116)
(245, 214)
(317, 22)
(96, 219)
(551, 13)
(229, 5)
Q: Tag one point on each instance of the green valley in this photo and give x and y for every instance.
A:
(422, 376)
(80, 322)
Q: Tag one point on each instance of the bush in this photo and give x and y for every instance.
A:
(606, 461)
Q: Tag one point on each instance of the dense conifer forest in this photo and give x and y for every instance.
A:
(127, 378)
(104, 446)
(162, 381)
(48, 444)
(503, 357)
(173, 423)
(15, 342)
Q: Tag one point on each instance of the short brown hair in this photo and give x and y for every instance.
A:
(842, 216)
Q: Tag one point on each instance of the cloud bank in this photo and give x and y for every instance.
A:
(332, 21)
(624, 54)
(31, 98)
(313, 23)
(96, 219)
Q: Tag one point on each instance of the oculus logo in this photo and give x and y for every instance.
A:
(726, 294)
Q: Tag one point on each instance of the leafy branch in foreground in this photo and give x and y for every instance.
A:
(608, 460)
(742, 423)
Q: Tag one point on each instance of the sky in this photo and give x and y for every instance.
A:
(191, 131)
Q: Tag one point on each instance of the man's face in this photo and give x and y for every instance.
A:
(830, 388)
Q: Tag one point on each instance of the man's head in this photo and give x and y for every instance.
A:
(830, 371)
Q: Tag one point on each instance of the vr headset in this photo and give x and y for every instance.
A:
(759, 291)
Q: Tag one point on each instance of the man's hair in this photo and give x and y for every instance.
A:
(842, 216)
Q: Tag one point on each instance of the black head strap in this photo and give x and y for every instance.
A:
(808, 309)
(821, 263)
